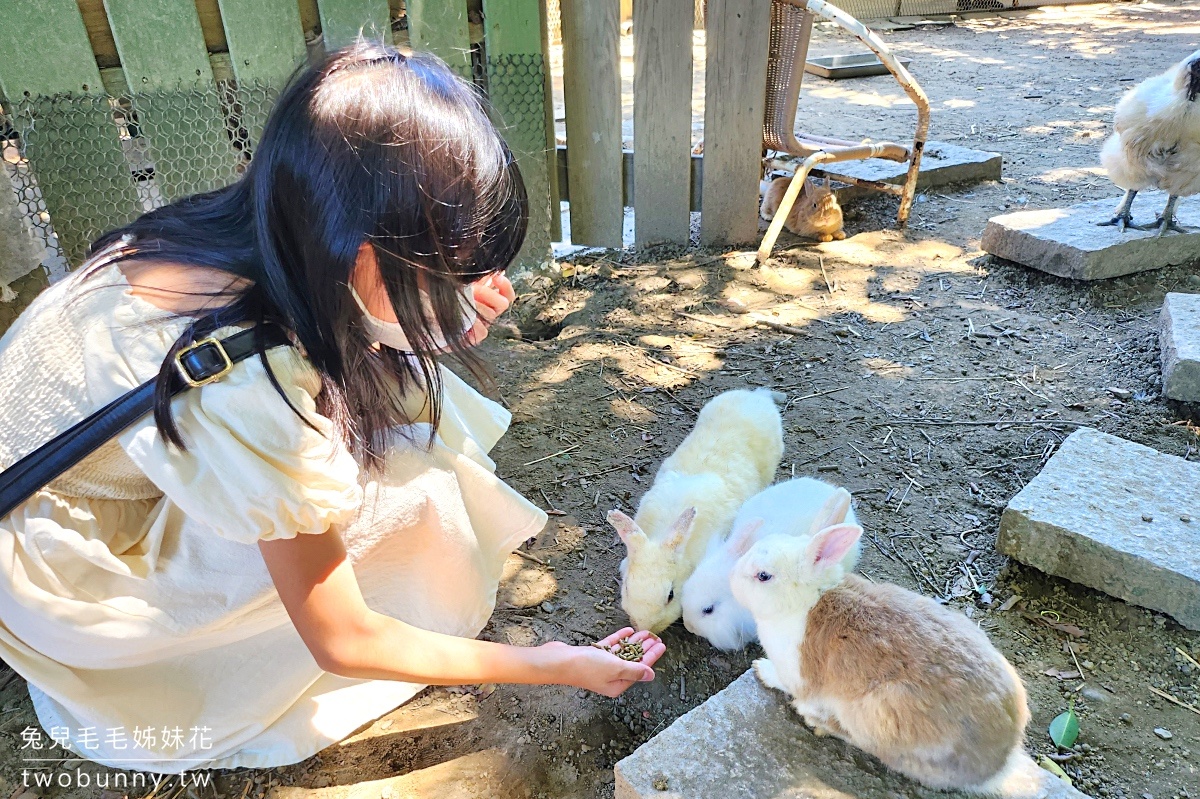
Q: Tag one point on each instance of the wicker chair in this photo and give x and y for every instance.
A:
(791, 28)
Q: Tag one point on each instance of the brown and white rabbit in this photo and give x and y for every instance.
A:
(892, 672)
(816, 213)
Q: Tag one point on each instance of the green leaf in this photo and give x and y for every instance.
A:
(1064, 729)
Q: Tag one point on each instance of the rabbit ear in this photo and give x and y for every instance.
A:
(831, 544)
(808, 187)
(832, 512)
(626, 528)
(681, 529)
(741, 539)
(829, 183)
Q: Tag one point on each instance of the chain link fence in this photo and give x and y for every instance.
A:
(83, 164)
(516, 85)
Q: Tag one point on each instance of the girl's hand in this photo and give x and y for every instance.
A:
(493, 296)
(597, 670)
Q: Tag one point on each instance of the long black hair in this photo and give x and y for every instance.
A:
(369, 145)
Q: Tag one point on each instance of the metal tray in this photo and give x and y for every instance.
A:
(848, 66)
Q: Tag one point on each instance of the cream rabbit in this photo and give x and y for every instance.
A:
(816, 213)
(800, 507)
(731, 454)
(892, 672)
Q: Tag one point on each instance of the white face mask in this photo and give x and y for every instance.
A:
(391, 334)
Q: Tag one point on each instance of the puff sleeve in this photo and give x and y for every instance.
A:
(253, 470)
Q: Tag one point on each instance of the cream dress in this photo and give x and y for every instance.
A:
(133, 596)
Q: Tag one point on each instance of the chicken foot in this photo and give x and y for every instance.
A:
(1165, 223)
(1123, 217)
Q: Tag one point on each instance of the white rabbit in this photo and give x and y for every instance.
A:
(800, 507)
(732, 453)
(913, 683)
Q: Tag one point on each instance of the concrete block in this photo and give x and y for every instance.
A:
(1067, 241)
(747, 743)
(1115, 516)
(1179, 339)
(942, 164)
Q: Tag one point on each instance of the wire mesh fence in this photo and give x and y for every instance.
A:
(83, 164)
(554, 20)
(516, 83)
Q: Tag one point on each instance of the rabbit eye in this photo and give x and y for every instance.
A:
(671, 596)
(708, 610)
(763, 577)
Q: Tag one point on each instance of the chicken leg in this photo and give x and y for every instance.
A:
(1166, 220)
(1124, 215)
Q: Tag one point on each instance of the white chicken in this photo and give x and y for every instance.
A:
(1156, 143)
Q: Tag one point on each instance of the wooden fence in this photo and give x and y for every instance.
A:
(664, 180)
(111, 104)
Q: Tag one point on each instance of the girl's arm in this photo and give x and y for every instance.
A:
(318, 587)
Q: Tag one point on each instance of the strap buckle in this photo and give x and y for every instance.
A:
(203, 362)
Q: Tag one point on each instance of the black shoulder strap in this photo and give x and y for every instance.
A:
(198, 364)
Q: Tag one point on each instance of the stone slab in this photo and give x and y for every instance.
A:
(1179, 340)
(942, 164)
(1067, 241)
(1115, 516)
(747, 743)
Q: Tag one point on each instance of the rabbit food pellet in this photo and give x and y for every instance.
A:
(625, 649)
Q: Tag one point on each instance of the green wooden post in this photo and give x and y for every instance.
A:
(343, 20)
(178, 108)
(516, 67)
(440, 27)
(72, 142)
(266, 44)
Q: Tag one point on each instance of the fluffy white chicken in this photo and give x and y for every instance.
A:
(1157, 143)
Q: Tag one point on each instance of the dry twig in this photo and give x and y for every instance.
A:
(533, 558)
(554, 455)
(1173, 700)
(817, 394)
(782, 328)
(825, 275)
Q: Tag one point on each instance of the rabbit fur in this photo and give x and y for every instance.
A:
(892, 672)
(731, 454)
(816, 213)
(800, 507)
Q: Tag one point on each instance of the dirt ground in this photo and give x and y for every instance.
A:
(929, 379)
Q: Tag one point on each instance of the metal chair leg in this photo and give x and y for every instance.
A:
(785, 205)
